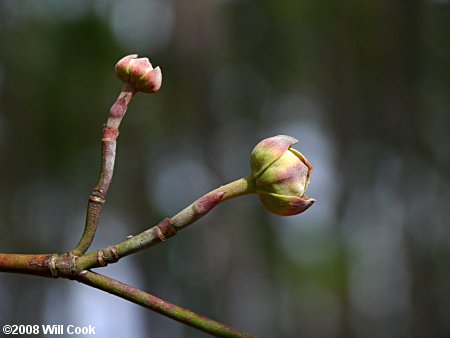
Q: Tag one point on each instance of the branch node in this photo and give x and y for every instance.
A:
(101, 258)
(107, 255)
(110, 134)
(160, 234)
(111, 254)
(96, 199)
(165, 230)
(52, 266)
(73, 261)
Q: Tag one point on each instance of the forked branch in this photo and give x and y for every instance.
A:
(280, 176)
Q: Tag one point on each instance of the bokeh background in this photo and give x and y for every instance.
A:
(362, 84)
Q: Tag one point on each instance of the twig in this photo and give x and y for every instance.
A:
(279, 176)
(156, 304)
(66, 265)
(98, 195)
(39, 265)
(168, 227)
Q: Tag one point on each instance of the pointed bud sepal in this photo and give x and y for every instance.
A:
(281, 175)
(140, 73)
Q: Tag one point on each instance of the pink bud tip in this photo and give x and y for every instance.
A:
(140, 73)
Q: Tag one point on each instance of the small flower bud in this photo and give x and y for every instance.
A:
(139, 73)
(281, 175)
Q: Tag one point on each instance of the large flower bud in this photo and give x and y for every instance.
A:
(140, 73)
(281, 175)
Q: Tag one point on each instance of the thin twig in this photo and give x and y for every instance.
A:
(141, 76)
(156, 304)
(168, 227)
(98, 196)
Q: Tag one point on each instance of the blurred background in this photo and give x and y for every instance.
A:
(362, 84)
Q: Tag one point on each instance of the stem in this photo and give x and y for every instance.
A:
(40, 265)
(168, 227)
(156, 304)
(98, 195)
(205, 203)
(73, 267)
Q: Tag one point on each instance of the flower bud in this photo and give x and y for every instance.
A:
(139, 73)
(281, 175)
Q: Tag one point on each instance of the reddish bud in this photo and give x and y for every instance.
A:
(140, 73)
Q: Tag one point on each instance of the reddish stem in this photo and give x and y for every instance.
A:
(156, 304)
(40, 265)
(109, 141)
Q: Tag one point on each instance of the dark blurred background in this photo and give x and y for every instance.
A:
(362, 84)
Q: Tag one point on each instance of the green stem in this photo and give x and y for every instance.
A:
(156, 304)
(204, 204)
(73, 267)
(98, 196)
(168, 227)
(40, 265)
